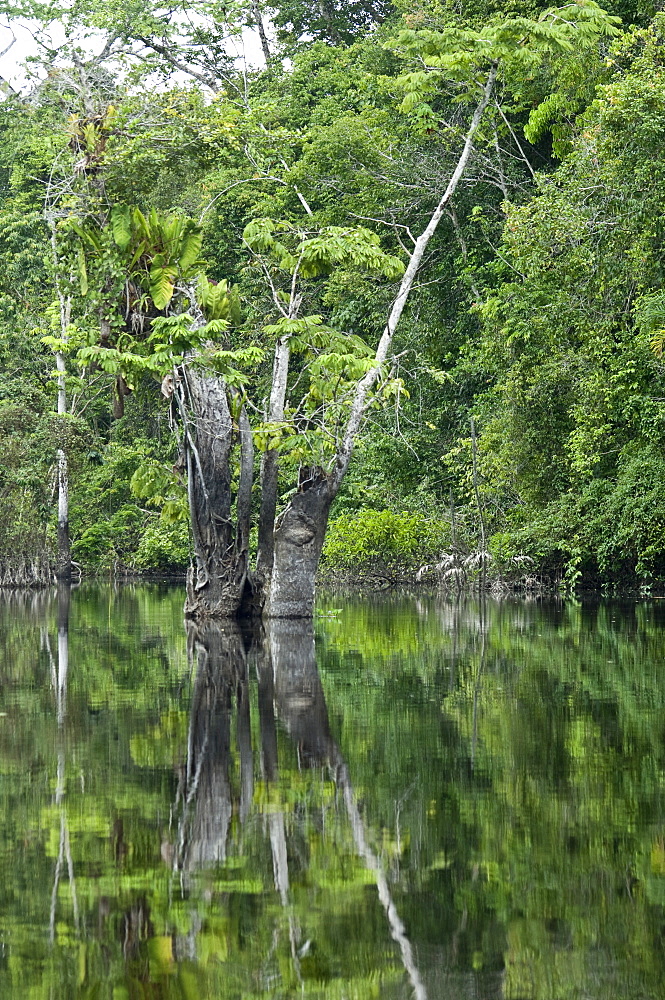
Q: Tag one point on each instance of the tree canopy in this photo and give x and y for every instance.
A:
(164, 203)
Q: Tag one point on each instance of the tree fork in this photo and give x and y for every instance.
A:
(300, 530)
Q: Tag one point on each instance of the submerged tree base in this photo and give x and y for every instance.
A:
(298, 538)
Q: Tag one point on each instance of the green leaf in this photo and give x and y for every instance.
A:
(140, 224)
(191, 249)
(121, 225)
(83, 271)
(162, 285)
(85, 234)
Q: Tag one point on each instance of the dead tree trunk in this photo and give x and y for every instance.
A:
(220, 521)
(290, 544)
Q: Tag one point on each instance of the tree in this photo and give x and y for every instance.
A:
(158, 317)
(286, 378)
(333, 21)
(572, 442)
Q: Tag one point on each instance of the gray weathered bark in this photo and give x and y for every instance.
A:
(257, 17)
(270, 468)
(216, 581)
(64, 559)
(64, 556)
(298, 539)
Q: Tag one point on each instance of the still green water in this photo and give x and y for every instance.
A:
(414, 799)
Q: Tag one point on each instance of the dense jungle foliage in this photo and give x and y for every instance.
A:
(522, 413)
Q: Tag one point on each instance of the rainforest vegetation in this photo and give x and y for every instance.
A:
(393, 296)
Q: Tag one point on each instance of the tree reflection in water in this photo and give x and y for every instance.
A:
(220, 663)
(59, 666)
(289, 693)
(301, 706)
(478, 811)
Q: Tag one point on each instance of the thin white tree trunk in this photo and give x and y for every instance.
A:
(64, 561)
(64, 548)
(270, 461)
(361, 399)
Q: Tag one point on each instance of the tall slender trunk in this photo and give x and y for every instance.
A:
(270, 462)
(270, 466)
(64, 559)
(64, 556)
(481, 518)
(257, 17)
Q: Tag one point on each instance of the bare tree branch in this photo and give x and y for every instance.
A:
(368, 381)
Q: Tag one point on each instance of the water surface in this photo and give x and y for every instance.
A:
(414, 798)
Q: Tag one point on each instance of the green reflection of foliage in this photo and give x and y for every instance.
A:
(543, 791)
(164, 745)
(509, 765)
